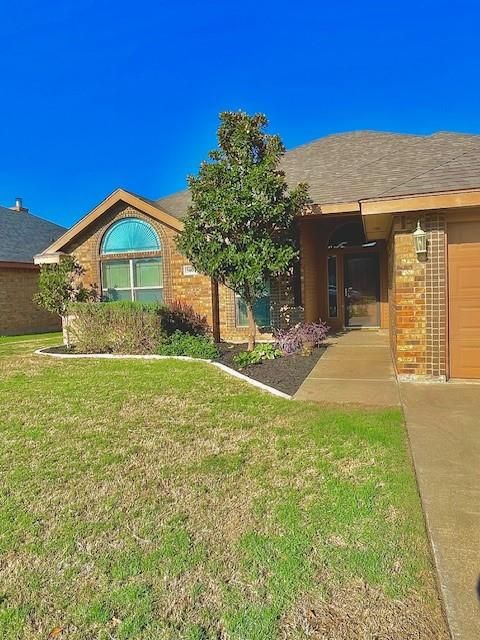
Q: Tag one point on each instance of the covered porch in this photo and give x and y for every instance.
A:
(344, 273)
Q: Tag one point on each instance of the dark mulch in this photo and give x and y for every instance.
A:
(60, 349)
(285, 374)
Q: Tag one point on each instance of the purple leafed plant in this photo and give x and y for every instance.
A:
(303, 337)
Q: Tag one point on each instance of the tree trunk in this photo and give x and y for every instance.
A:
(215, 311)
(252, 327)
(66, 330)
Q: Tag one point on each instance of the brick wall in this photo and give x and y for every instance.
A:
(195, 290)
(284, 312)
(436, 295)
(409, 301)
(417, 294)
(18, 313)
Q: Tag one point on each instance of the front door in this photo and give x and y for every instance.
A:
(362, 290)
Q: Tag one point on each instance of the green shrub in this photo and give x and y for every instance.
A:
(185, 344)
(116, 327)
(136, 327)
(261, 352)
(128, 305)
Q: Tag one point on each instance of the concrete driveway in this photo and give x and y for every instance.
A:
(443, 422)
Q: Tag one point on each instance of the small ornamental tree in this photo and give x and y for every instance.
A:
(59, 285)
(239, 229)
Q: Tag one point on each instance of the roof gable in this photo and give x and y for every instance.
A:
(119, 195)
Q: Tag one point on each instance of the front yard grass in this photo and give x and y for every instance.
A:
(165, 500)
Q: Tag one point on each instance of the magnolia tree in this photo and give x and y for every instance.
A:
(59, 285)
(239, 229)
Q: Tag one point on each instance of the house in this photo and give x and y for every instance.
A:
(22, 235)
(392, 241)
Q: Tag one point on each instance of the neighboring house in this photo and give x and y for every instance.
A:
(22, 235)
(359, 266)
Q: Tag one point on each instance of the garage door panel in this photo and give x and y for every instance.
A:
(468, 361)
(466, 281)
(467, 320)
(464, 299)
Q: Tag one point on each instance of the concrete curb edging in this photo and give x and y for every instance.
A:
(255, 383)
(218, 365)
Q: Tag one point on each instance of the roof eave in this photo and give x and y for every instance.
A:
(377, 213)
(420, 202)
(52, 257)
(17, 264)
(119, 195)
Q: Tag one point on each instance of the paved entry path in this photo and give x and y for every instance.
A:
(443, 423)
(355, 369)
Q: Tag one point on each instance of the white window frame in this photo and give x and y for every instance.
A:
(131, 288)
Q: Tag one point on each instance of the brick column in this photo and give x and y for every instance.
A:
(419, 298)
(409, 301)
(436, 296)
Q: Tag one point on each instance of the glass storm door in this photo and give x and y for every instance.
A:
(362, 290)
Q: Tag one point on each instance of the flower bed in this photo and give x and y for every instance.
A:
(142, 329)
(285, 374)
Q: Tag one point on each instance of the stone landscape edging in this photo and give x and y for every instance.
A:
(120, 356)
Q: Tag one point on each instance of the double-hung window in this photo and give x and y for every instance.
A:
(138, 279)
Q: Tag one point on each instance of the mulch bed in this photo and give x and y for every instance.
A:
(60, 349)
(285, 374)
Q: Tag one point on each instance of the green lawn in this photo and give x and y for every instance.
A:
(166, 500)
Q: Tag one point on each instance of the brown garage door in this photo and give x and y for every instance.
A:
(464, 299)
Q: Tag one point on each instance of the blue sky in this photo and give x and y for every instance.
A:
(97, 95)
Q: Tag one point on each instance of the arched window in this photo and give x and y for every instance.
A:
(136, 276)
(130, 235)
(349, 235)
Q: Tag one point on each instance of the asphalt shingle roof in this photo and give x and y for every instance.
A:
(347, 167)
(176, 204)
(22, 235)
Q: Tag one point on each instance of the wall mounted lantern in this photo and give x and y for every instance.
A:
(420, 242)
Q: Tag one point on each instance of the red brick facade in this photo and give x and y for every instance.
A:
(18, 312)
(418, 298)
(413, 298)
(193, 289)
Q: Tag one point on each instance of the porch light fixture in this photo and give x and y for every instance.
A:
(420, 241)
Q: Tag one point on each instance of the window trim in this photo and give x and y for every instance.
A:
(131, 288)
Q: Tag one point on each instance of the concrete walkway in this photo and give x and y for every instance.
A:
(356, 369)
(443, 423)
